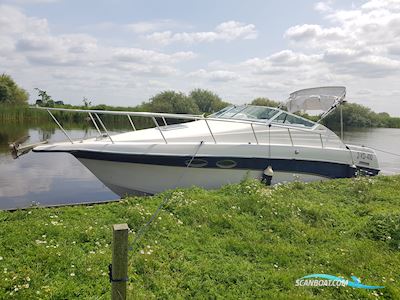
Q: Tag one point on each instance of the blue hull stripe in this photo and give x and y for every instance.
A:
(320, 168)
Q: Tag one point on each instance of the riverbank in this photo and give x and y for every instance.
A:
(241, 241)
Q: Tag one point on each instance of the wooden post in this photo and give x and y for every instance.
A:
(119, 269)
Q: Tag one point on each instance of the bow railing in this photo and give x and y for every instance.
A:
(98, 123)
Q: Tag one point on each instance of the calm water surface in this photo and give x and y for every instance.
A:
(386, 139)
(56, 178)
(46, 179)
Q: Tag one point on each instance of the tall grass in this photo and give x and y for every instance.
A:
(27, 115)
(21, 114)
(243, 241)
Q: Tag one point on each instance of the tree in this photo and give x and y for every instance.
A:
(171, 102)
(45, 99)
(11, 93)
(86, 102)
(265, 102)
(354, 115)
(5, 93)
(207, 101)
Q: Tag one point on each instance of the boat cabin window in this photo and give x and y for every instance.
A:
(247, 112)
(285, 118)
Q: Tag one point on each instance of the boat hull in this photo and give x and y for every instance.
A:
(125, 178)
(128, 168)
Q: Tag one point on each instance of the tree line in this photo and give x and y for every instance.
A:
(360, 116)
(198, 101)
(11, 93)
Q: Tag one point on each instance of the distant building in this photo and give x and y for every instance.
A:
(39, 102)
(59, 103)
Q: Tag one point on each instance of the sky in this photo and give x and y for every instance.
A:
(124, 52)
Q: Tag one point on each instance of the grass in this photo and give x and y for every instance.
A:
(20, 114)
(242, 241)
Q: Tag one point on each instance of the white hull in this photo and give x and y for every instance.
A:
(219, 150)
(131, 178)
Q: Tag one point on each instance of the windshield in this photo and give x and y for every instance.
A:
(246, 112)
(285, 118)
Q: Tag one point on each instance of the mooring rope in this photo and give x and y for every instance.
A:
(143, 229)
(384, 151)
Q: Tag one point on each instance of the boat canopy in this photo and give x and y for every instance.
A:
(320, 98)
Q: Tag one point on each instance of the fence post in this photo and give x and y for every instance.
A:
(119, 267)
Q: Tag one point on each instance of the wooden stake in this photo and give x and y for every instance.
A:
(119, 269)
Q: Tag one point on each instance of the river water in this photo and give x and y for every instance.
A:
(48, 179)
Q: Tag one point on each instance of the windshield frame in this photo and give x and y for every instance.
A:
(269, 121)
(237, 110)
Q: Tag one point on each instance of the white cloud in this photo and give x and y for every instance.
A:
(13, 21)
(394, 50)
(323, 6)
(358, 41)
(151, 26)
(137, 28)
(227, 31)
(379, 4)
(356, 47)
(218, 75)
(69, 65)
(150, 56)
(30, 41)
(314, 33)
(285, 61)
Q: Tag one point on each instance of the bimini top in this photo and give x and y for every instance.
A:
(320, 98)
(262, 114)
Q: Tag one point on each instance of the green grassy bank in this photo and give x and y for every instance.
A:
(242, 241)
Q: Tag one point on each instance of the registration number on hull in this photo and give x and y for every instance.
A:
(365, 156)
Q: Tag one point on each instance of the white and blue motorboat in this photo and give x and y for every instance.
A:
(232, 144)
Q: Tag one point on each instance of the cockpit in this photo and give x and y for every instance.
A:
(260, 113)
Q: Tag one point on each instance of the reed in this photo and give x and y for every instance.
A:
(20, 114)
(28, 115)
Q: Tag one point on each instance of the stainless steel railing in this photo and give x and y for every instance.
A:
(94, 115)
